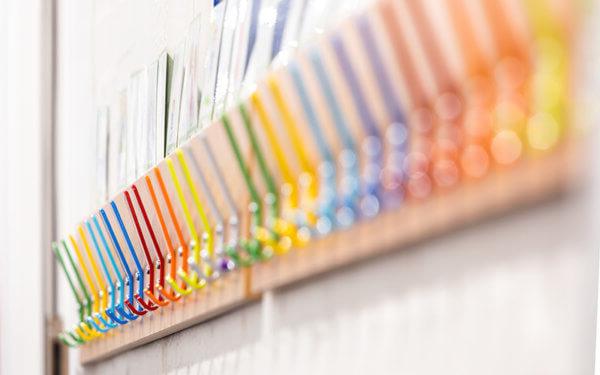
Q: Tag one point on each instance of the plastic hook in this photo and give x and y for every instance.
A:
(172, 255)
(128, 280)
(150, 262)
(196, 280)
(120, 282)
(139, 276)
(160, 265)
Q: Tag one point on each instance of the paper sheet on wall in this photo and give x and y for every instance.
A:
(175, 97)
(151, 115)
(121, 141)
(240, 46)
(260, 58)
(131, 128)
(161, 105)
(211, 62)
(291, 30)
(205, 41)
(225, 61)
(188, 120)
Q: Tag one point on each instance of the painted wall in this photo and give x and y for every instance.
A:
(513, 295)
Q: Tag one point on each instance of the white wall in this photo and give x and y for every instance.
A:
(514, 295)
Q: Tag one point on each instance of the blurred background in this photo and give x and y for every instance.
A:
(514, 294)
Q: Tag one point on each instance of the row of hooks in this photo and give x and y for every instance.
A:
(324, 141)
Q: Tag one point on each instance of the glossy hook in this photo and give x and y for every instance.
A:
(69, 338)
(233, 248)
(224, 264)
(252, 245)
(102, 292)
(372, 148)
(128, 280)
(326, 199)
(139, 275)
(210, 269)
(160, 265)
(171, 257)
(347, 209)
(120, 282)
(195, 280)
(87, 297)
(88, 278)
(111, 286)
(272, 239)
(165, 232)
(150, 262)
(182, 290)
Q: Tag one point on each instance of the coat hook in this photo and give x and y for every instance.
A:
(140, 297)
(128, 279)
(139, 275)
(160, 265)
(172, 257)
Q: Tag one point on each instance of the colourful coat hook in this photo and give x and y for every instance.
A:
(195, 280)
(310, 186)
(292, 210)
(371, 145)
(94, 298)
(128, 280)
(69, 338)
(184, 269)
(348, 209)
(327, 199)
(224, 264)
(307, 189)
(81, 330)
(511, 111)
(418, 170)
(172, 257)
(308, 182)
(112, 291)
(120, 284)
(550, 81)
(289, 189)
(233, 248)
(480, 95)
(206, 255)
(139, 275)
(160, 264)
(88, 299)
(274, 236)
(213, 246)
(149, 261)
(253, 245)
(448, 103)
(101, 315)
(396, 134)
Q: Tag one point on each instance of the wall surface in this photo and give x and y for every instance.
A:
(21, 185)
(512, 295)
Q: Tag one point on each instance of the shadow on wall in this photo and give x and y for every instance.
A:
(511, 295)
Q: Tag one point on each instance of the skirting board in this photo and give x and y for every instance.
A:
(530, 181)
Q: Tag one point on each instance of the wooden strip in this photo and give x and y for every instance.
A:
(219, 297)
